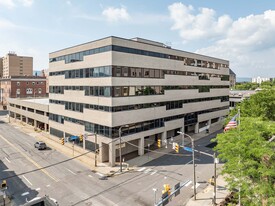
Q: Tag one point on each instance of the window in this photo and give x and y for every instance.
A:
(29, 91)
(117, 91)
(39, 90)
(17, 91)
(18, 83)
(27, 83)
(125, 91)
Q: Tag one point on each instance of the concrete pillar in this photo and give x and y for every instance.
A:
(141, 146)
(209, 123)
(197, 128)
(21, 117)
(34, 123)
(163, 136)
(112, 154)
(45, 127)
(27, 120)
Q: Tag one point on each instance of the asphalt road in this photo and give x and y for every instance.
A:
(71, 183)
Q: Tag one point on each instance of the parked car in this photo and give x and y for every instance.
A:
(40, 145)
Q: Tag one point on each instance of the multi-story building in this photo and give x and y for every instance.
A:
(1, 67)
(22, 87)
(14, 65)
(259, 80)
(232, 78)
(142, 88)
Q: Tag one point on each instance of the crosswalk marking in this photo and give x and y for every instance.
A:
(155, 171)
(141, 169)
(189, 183)
(146, 171)
(197, 185)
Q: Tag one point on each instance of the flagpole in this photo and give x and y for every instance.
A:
(239, 114)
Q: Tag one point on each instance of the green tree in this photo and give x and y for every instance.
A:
(250, 160)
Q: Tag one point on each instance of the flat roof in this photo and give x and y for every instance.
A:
(38, 101)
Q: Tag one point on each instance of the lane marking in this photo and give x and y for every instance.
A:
(27, 180)
(37, 189)
(25, 193)
(197, 185)
(99, 174)
(70, 171)
(28, 158)
(155, 171)
(188, 183)
(90, 175)
(146, 171)
(189, 162)
(141, 169)
(7, 160)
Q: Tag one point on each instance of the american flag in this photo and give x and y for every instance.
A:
(232, 123)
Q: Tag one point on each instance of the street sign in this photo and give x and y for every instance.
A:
(188, 149)
(216, 160)
(174, 145)
(177, 189)
(122, 145)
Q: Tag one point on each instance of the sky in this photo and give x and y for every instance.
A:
(242, 32)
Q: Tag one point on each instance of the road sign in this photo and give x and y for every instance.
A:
(174, 145)
(122, 145)
(177, 189)
(188, 149)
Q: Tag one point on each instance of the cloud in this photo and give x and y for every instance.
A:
(203, 25)
(248, 42)
(116, 14)
(7, 3)
(13, 3)
(6, 24)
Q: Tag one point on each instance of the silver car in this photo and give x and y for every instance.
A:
(40, 145)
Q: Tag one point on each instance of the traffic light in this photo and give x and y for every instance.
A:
(62, 140)
(81, 138)
(159, 143)
(4, 184)
(167, 189)
(177, 148)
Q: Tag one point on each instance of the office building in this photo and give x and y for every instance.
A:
(14, 65)
(142, 88)
(232, 78)
(259, 80)
(1, 67)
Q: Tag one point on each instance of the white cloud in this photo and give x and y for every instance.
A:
(12, 3)
(6, 24)
(248, 42)
(69, 3)
(7, 3)
(116, 14)
(202, 25)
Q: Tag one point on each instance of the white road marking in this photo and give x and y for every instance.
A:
(27, 180)
(189, 162)
(25, 193)
(90, 175)
(155, 171)
(188, 183)
(70, 171)
(7, 160)
(48, 185)
(37, 189)
(99, 174)
(141, 169)
(146, 171)
(197, 185)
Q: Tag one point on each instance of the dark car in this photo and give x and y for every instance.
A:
(40, 145)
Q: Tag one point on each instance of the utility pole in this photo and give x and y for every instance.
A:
(215, 178)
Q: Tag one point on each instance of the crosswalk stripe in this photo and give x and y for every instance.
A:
(197, 185)
(146, 171)
(141, 169)
(189, 183)
(154, 172)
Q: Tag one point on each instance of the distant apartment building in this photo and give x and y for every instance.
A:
(232, 78)
(22, 87)
(1, 67)
(259, 80)
(14, 65)
(142, 88)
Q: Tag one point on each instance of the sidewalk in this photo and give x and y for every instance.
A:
(204, 198)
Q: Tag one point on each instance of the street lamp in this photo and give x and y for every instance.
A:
(119, 134)
(193, 156)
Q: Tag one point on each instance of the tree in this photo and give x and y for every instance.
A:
(249, 156)
(250, 160)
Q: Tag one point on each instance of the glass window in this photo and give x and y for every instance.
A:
(152, 73)
(157, 73)
(132, 91)
(107, 71)
(146, 72)
(96, 72)
(139, 72)
(117, 91)
(81, 73)
(125, 71)
(91, 72)
(125, 91)
(132, 72)
(107, 91)
(117, 72)
(139, 90)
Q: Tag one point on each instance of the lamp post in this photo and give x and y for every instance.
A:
(119, 134)
(193, 156)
